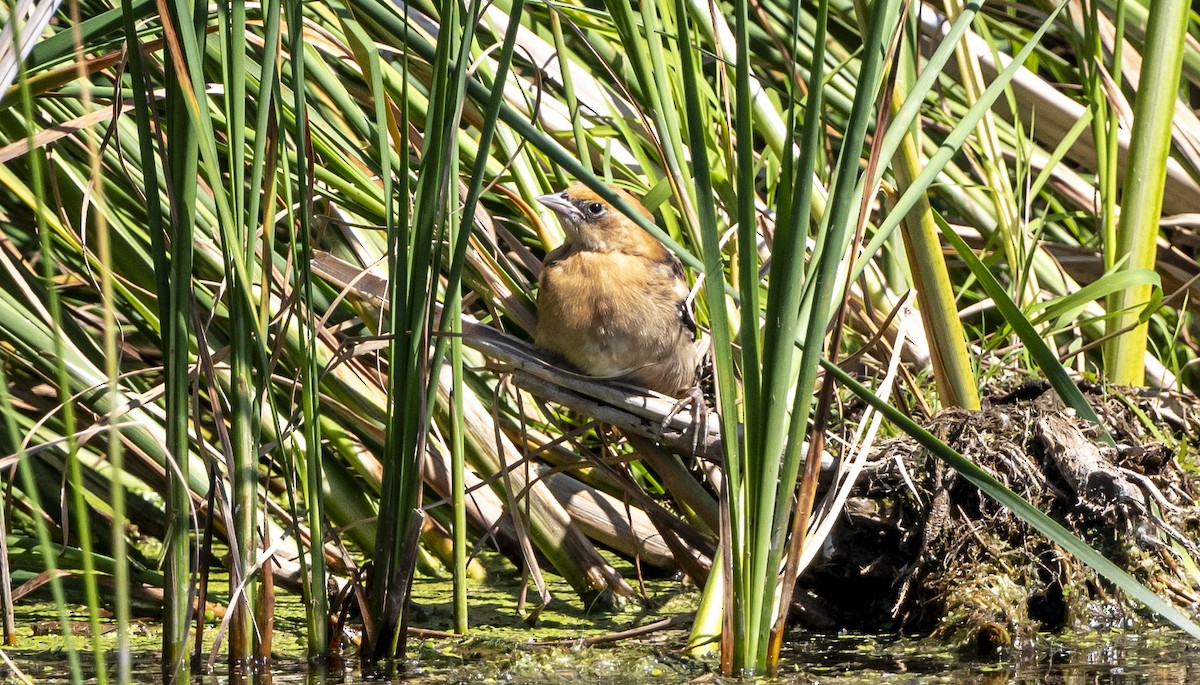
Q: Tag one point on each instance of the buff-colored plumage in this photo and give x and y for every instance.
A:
(612, 300)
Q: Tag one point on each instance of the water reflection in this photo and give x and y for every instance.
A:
(1152, 658)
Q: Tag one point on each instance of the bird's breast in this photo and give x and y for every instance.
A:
(614, 314)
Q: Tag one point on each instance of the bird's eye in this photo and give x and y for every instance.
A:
(595, 209)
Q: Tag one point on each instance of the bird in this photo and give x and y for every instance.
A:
(613, 300)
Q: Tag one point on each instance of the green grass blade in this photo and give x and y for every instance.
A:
(1043, 356)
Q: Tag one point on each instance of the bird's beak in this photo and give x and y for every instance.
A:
(560, 205)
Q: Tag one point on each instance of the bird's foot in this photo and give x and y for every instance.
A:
(698, 411)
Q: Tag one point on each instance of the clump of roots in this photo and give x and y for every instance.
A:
(922, 550)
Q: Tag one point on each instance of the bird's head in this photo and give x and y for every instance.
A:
(591, 221)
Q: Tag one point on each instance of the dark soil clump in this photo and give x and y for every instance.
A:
(921, 550)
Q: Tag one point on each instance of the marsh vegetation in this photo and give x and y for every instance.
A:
(267, 294)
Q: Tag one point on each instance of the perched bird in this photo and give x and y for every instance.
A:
(612, 299)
